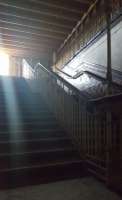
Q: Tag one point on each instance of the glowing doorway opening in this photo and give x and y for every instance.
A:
(4, 64)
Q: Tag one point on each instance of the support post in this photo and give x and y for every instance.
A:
(108, 20)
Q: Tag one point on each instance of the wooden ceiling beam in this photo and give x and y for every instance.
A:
(27, 44)
(35, 32)
(30, 25)
(35, 42)
(67, 5)
(10, 13)
(25, 53)
(5, 31)
(40, 11)
(84, 1)
(31, 39)
(38, 26)
(23, 47)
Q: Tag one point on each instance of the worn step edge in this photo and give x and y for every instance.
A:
(33, 130)
(38, 152)
(36, 140)
(66, 162)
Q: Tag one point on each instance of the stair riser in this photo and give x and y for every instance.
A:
(30, 119)
(32, 146)
(25, 112)
(31, 123)
(18, 160)
(31, 135)
(24, 108)
(22, 104)
(29, 126)
(19, 178)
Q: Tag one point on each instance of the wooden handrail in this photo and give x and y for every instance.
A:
(108, 99)
(91, 125)
(56, 76)
(94, 102)
(69, 76)
(79, 23)
(99, 69)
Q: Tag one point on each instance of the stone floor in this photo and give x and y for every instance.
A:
(78, 189)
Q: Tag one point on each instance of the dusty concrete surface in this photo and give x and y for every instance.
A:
(78, 189)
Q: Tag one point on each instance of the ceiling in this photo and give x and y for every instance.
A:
(38, 27)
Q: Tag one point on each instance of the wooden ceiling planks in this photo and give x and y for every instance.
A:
(38, 25)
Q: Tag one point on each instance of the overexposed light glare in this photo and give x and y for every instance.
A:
(4, 64)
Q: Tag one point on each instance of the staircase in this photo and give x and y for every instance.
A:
(34, 149)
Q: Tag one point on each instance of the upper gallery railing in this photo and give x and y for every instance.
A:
(87, 30)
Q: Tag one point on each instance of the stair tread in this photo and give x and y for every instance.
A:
(41, 158)
(37, 122)
(35, 140)
(63, 162)
(20, 130)
(37, 152)
(35, 145)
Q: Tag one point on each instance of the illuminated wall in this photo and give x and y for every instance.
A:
(15, 66)
(97, 52)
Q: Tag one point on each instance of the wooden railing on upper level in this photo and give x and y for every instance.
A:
(94, 125)
(87, 30)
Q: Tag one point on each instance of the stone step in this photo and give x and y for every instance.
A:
(32, 145)
(30, 134)
(38, 174)
(15, 159)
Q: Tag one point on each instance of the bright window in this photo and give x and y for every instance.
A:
(4, 64)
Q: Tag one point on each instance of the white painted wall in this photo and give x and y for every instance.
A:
(97, 53)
